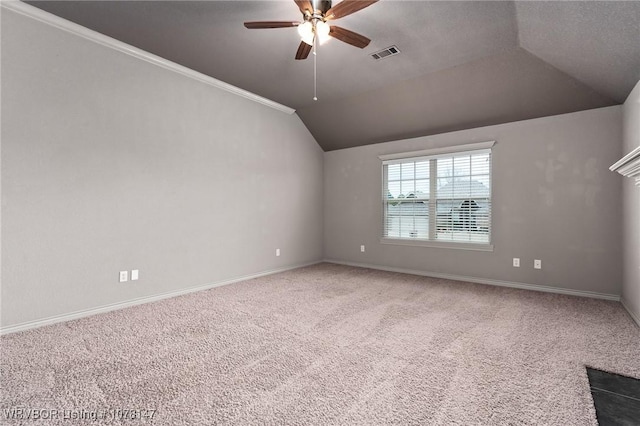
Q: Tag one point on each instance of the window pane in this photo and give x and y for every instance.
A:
(410, 220)
(408, 171)
(393, 226)
(394, 189)
(441, 183)
(462, 165)
(422, 188)
(407, 187)
(445, 167)
(393, 172)
(483, 179)
(406, 226)
(422, 170)
(478, 189)
(480, 164)
(422, 226)
(406, 208)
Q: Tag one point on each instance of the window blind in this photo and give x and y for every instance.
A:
(442, 197)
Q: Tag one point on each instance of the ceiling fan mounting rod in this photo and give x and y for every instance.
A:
(320, 6)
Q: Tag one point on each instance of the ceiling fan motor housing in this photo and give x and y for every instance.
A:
(322, 6)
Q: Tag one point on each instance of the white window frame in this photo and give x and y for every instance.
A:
(430, 154)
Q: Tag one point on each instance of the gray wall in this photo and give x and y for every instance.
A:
(554, 199)
(631, 195)
(110, 163)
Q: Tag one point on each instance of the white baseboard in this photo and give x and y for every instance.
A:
(635, 317)
(138, 301)
(487, 281)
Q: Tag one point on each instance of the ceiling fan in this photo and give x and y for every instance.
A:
(315, 15)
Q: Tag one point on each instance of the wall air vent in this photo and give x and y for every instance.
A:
(385, 53)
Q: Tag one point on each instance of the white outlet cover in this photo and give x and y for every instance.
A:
(124, 276)
(135, 274)
(277, 252)
(362, 249)
(537, 264)
(516, 262)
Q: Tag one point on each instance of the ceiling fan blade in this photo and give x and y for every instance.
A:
(270, 24)
(304, 5)
(354, 39)
(303, 50)
(347, 7)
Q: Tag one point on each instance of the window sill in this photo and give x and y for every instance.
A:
(437, 244)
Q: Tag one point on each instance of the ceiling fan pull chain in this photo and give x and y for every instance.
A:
(315, 71)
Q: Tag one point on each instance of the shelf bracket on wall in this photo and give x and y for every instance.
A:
(629, 165)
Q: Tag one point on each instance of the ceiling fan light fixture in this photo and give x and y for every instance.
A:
(305, 30)
(322, 30)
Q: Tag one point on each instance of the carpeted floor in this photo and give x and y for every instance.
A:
(326, 344)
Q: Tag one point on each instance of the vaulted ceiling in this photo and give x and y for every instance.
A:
(462, 64)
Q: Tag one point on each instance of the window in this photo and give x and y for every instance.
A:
(440, 196)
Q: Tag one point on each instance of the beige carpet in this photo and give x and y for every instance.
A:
(326, 344)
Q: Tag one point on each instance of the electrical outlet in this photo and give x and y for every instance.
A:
(277, 252)
(134, 275)
(362, 248)
(516, 262)
(537, 264)
(124, 276)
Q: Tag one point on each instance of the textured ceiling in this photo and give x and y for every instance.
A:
(462, 64)
(597, 43)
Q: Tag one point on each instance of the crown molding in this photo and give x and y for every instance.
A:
(96, 37)
(629, 165)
